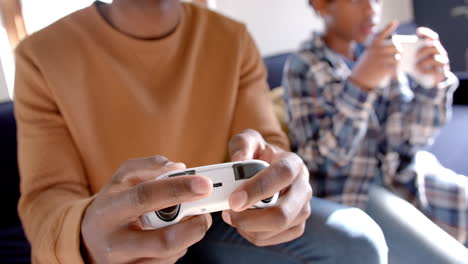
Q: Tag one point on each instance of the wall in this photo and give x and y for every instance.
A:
(401, 10)
(38, 14)
(276, 25)
(281, 25)
(6, 65)
(3, 86)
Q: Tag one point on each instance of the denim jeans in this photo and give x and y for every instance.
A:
(334, 234)
(411, 236)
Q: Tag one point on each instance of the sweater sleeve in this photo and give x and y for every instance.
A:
(254, 108)
(416, 116)
(54, 188)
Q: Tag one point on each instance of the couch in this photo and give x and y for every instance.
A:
(14, 247)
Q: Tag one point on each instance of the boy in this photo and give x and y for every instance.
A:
(355, 120)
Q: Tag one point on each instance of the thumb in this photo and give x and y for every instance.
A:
(245, 145)
(385, 33)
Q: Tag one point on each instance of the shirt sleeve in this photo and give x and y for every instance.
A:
(54, 189)
(254, 108)
(327, 115)
(417, 115)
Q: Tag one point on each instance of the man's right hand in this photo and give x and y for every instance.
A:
(378, 62)
(111, 230)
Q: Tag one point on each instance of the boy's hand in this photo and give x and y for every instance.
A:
(432, 59)
(111, 231)
(378, 62)
(287, 175)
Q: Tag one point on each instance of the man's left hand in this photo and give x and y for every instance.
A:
(287, 175)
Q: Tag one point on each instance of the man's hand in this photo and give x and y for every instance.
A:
(378, 62)
(111, 230)
(432, 59)
(287, 174)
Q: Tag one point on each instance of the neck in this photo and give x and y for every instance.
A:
(143, 19)
(340, 45)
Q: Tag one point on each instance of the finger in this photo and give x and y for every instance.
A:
(440, 48)
(388, 56)
(161, 243)
(385, 33)
(389, 50)
(292, 206)
(430, 64)
(279, 175)
(158, 194)
(427, 51)
(285, 236)
(246, 145)
(390, 62)
(427, 33)
(438, 73)
(136, 171)
(388, 59)
(300, 219)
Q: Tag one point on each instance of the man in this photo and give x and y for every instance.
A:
(138, 78)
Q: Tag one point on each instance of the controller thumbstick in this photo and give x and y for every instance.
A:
(168, 214)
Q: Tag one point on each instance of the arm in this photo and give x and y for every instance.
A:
(432, 105)
(327, 116)
(54, 189)
(254, 109)
(416, 116)
(423, 111)
(287, 173)
(329, 111)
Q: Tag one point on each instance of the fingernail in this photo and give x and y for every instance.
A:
(171, 164)
(226, 217)
(200, 186)
(238, 200)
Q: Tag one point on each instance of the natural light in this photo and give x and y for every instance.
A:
(7, 62)
(37, 15)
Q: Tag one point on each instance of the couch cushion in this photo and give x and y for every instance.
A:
(275, 65)
(10, 177)
(279, 107)
(14, 248)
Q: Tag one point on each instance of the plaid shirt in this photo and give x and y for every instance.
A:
(350, 138)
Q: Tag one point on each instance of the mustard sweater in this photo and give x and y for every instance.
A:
(88, 97)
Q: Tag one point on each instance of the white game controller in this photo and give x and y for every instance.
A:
(226, 177)
(410, 44)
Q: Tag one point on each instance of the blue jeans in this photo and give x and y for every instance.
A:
(334, 234)
(411, 236)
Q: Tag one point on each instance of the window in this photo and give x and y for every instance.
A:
(37, 15)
